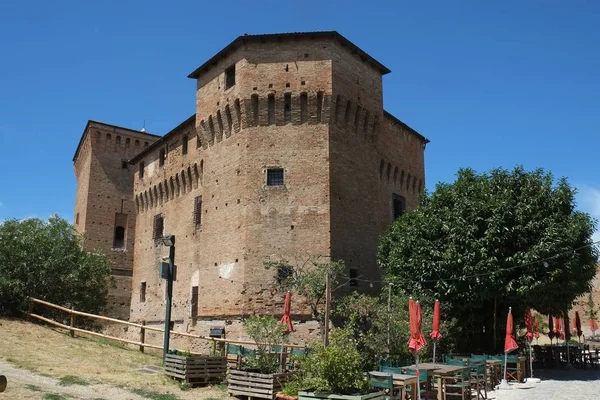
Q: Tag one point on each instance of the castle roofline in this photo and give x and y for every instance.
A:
(411, 130)
(91, 121)
(244, 39)
(162, 140)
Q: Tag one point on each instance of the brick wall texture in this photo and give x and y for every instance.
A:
(311, 106)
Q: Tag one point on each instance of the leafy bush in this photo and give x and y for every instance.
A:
(46, 260)
(337, 367)
(267, 332)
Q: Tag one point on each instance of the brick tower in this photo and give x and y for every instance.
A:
(104, 210)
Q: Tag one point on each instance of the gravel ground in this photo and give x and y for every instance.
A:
(555, 385)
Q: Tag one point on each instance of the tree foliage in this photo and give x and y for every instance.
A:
(382, 332)
(46, 260)
(478, 243)
(335, 368)
(267, 332)
(308, 279)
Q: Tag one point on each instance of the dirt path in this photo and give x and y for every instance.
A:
(26, 385)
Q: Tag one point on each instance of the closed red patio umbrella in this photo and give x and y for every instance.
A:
(509, 345)
(529, 337)
(287, 310)
(435, 334)
(417, 340)
(593, 326)
(551, 329)
(558, 333)
(578, 325)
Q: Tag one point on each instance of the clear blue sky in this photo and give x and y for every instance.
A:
(491, 83)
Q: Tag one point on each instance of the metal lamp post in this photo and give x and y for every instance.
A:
(168, 273)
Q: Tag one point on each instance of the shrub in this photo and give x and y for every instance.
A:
(335, 368)
(267, 332)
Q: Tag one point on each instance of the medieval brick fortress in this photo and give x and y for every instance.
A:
(289, 155)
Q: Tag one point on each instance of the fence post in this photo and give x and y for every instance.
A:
(31, 304)
(142, 335)
(72, 323)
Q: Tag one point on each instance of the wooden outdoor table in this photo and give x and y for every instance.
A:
(429, 367)
(401, 381)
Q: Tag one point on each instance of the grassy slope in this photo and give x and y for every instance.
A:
(51, 352)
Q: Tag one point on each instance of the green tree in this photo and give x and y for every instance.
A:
(591, 310)
(308, 280)
(46, 260)
(381, 327)
(267, 332)
(477, 245)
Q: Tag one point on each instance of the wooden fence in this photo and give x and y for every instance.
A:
(142, 326)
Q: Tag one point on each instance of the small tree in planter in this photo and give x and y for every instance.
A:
(259, 376)
(334, 372)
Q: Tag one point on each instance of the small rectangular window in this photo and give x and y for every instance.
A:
(141, 172)
(275, 177)
(353, 277)
(198, 212)
(230, 77)
(399, 206)
(287, 107)
(184, 144)
(158, 227)
(303, 108)
(124, 164)
(119, 232)
(77, 218)
(161, 157)
(254, 100)
(142, 292)
(319, 106)
(271, 109)
(194, 302)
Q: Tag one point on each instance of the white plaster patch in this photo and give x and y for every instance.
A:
(225, 270)
(151, 169)
(195, 281)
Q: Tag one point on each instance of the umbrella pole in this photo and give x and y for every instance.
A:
(434, 345)
(531, 378)
(418, 376)
(504, 384)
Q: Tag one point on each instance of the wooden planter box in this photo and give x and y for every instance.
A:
(330, 396)
(197, 369)
(253, 384)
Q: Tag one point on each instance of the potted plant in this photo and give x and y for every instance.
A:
(195, 368)
(259, 375)
(334, 372)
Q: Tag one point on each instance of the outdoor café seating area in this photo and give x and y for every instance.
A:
(458, 377)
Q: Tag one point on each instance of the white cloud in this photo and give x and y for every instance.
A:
(1, 204)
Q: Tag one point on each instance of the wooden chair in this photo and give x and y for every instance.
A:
(479, 378)
(457, 385)
(383, 381)
(512, 368)
(422, 385)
